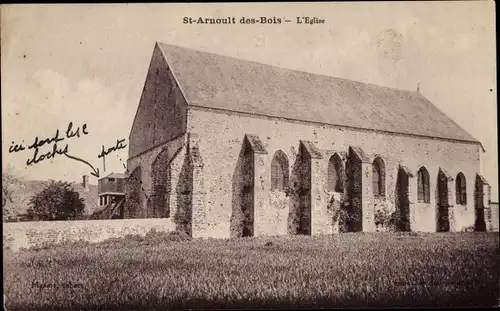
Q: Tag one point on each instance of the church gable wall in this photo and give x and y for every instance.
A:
(161, 115)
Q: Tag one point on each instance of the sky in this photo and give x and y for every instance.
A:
(86, 64)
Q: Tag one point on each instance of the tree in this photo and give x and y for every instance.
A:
(9, 180)
(57, 201)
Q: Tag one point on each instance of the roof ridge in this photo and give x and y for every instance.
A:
(160, 44)
(249, 86)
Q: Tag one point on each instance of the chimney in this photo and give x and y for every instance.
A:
(85, 182)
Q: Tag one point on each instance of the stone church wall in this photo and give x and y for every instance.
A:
(161, 115)
(221, 137)
(160, 166)
(167, 182)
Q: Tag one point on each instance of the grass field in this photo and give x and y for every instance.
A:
(345, 270)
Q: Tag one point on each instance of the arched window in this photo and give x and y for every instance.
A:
(335, 174)
(279, 171)
(424, 193)
(378, 177)
(461, 189)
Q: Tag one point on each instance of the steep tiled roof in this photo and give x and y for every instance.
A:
(215, 81)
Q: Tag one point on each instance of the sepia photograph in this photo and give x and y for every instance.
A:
(249, 155)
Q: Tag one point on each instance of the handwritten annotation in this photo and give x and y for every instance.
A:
(119, 145)
(38, 142)
(71, 132)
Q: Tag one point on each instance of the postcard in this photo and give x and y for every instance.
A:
(249, 155)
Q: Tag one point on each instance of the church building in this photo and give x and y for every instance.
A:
(224, 147)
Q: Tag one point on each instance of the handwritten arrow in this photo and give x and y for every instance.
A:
(94, 173)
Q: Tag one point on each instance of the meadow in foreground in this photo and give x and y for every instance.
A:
(344, 270)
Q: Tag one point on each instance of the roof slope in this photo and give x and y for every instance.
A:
(216, 81)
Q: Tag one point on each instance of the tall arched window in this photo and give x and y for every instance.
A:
(378, 177)
(279, 171)
(335, 174)
(424, 193)
(461, 189)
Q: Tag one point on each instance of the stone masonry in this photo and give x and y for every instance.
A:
(217, 172)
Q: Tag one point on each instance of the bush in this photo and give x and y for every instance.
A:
(470, 228)
(57, 201)
(386, 219)
(343, 212)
